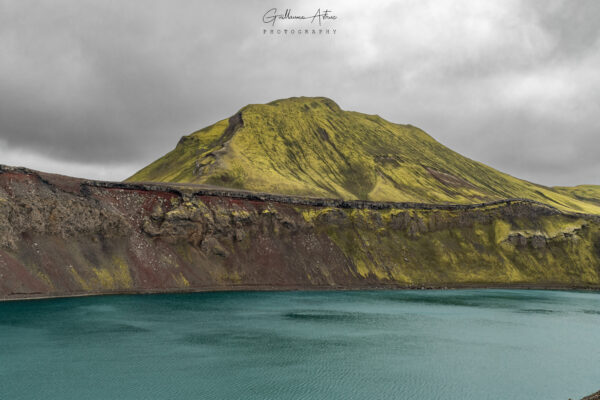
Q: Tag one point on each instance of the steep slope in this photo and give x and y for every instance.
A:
(309, 146)
(62, 236)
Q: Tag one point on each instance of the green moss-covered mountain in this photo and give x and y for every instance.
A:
(311, 147)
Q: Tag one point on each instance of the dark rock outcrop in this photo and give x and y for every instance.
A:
(595, 396)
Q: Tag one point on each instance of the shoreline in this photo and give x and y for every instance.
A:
(299, 288)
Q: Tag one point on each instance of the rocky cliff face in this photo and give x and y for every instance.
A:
(65, 236)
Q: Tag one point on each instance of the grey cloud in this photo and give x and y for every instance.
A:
(115, 84)
(570, 22)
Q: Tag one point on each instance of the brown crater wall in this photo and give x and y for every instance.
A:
(62, 236)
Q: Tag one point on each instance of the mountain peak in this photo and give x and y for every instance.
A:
(302, 101)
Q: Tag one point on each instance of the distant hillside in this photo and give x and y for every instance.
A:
(587, 193)
(309, 146)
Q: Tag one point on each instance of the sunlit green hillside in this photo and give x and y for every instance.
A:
(309, 146)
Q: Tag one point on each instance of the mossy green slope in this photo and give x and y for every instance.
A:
(587, 193)
(309, 146)
(497, 245)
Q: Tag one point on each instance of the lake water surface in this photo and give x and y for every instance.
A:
(456, 344)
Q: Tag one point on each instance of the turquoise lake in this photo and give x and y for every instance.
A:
(454, 344)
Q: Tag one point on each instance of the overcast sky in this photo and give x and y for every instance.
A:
(99, 89)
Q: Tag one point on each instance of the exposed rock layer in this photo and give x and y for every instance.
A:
(62, 236)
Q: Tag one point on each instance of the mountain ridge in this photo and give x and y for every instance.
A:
(309, 146)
